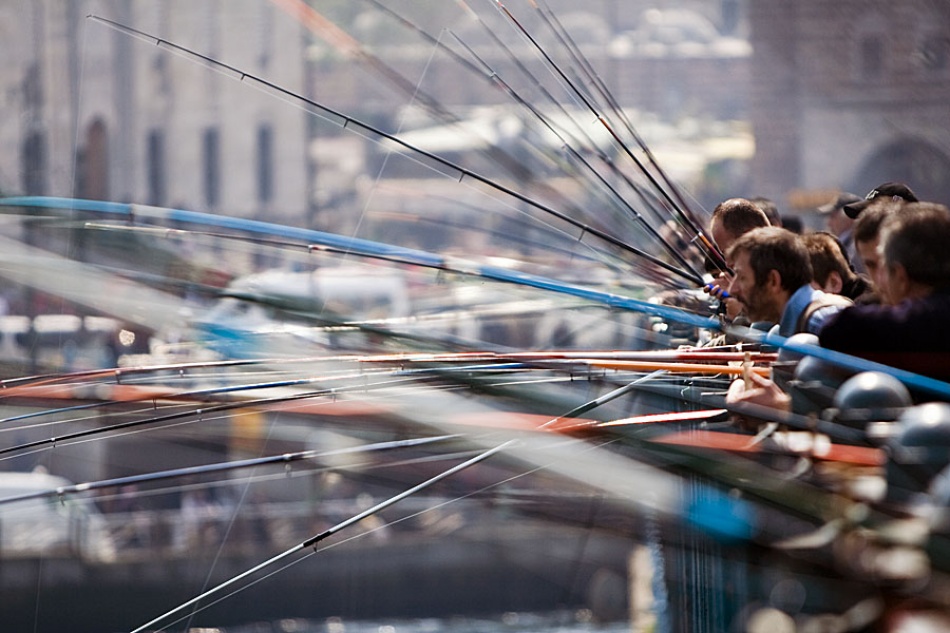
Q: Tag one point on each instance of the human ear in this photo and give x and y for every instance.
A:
(833, 284)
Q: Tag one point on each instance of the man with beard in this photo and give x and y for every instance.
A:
(773, 281)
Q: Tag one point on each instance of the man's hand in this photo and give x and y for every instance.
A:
(760, 391)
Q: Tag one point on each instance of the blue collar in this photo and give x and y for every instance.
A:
(797, 303)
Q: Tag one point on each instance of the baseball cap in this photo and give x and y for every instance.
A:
(893, 190)
(843, 198)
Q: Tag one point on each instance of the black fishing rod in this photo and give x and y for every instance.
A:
(684, 209)
(313, 541)
(538, 85)
(599, 116)
(284, 459)
(607, 186)
(564, 37)
(330, 32)
(396, 377)
(372, 133)
(202, 412)
(495, 78)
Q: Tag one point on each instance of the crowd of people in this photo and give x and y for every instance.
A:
(875, 285)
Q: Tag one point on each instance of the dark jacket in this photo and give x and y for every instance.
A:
(913, 335)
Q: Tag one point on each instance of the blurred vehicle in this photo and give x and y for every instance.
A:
(50, 526)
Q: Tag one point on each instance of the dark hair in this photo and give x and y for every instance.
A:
(775, 248)
(868, 225)
(769, 208)
(917, 238)
(739, 216)
(827, 256)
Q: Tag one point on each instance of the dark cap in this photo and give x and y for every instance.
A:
(839, 202)
(893, 190)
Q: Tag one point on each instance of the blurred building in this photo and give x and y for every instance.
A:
(95, 113)
(849, 95)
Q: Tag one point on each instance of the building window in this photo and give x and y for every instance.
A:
(211, 156)
(33, 159)
(155, 162)
(872, 57)
(265, 163)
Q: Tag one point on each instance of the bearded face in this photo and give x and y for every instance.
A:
(759, 300)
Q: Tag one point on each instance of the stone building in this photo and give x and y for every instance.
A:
(848, 95)
(94, 112)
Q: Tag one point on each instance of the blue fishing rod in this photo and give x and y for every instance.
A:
(138, 213)
(373, 133)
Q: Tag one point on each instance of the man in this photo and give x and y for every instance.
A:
(867, 231)
(841, 225)
(832, 272)
(731, 219)
(773, 276)
(911, 333)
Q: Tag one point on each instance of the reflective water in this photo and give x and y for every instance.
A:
(555, 622)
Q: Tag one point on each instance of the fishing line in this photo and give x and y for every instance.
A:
(312, 541)
(372, 133)
(141, 213)
(574, 89)
(254, 462)
(605, 185)
(492, 76)
(538, 85)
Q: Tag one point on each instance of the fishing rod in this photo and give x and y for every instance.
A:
(686, 214)
(202, 412)
(563, 35)
(284, 459)
(372, 133)
(607, 186)
(421, 258)
(139, 213)
(593, 147)
(466, 64)
(322, 26)
(401, 376)
(317, 538)
(469, 66)
(443, 341)
(599, 117)
(923, 383)
(313, 541)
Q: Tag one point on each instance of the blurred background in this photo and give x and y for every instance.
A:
(266, 114)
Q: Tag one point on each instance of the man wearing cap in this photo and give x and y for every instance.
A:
(912, 333)
(841, 225)
(889, 190)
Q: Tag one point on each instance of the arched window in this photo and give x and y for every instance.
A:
(93, 163)
(265, 163)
